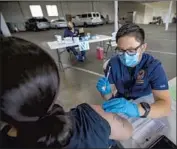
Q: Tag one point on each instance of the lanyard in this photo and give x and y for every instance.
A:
(129, 85)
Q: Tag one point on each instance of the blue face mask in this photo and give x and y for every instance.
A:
(129, 60)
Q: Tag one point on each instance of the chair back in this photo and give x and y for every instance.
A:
(105, 64)
(114, 36)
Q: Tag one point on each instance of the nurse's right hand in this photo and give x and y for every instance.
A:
(103, 86)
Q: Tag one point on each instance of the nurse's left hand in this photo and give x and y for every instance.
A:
(121, 105)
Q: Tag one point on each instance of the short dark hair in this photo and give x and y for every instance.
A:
(131, 30)
(30, 81)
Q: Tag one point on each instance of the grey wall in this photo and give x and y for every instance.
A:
(125, 7)
(27, 12)
(18, 12)
(11, 11)
(76, 7)
(105, 8)
(158, 9)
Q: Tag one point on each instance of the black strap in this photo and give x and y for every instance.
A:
(129, 85)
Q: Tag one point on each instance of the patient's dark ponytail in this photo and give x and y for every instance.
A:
(53, 130)
(30, 84)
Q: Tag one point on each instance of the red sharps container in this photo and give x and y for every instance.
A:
(100, 53)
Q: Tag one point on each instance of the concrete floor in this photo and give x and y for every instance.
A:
(78, 86)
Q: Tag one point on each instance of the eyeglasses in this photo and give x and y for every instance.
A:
(128, 51)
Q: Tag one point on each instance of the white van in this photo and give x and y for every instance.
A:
(88, 18)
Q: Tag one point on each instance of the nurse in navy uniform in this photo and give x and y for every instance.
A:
(134, 74)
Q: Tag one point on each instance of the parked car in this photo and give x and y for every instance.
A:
(59, 23)
(104, 20)
(157, 20)
(11, 27)
(37, 23)
(88, 18)
(77, 20)
(174, 20)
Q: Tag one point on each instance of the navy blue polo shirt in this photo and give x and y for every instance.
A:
(90, 130)
(69, 33)
(148, 75)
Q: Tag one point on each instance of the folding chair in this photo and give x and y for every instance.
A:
(112, 43)
(105, 64)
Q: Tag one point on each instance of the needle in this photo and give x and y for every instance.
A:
(108, 72)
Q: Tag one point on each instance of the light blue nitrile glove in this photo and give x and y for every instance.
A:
(121, 105)
(103, 86)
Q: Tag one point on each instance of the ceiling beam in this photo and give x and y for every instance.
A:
(90, 0)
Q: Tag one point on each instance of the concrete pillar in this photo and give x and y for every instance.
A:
(3, 26)
(61, 10)
(116, 16)
(92, 6)
(167, 19)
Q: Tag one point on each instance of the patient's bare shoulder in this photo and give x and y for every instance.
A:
(110, 117)
(121, 129)
(101, 112)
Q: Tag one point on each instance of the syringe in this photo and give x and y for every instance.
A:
(107, 76)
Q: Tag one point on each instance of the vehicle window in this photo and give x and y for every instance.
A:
(31, 20)
(102, 17)
(39, 20)
(45, 20)
(42, 20)
(61, 20)
(89, 15)
(79, 15)
(94, 15)
(97, 15)
(84, 15)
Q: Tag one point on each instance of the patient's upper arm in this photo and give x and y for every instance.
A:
(121, 129)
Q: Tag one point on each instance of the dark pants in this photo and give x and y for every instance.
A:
(73, 50)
